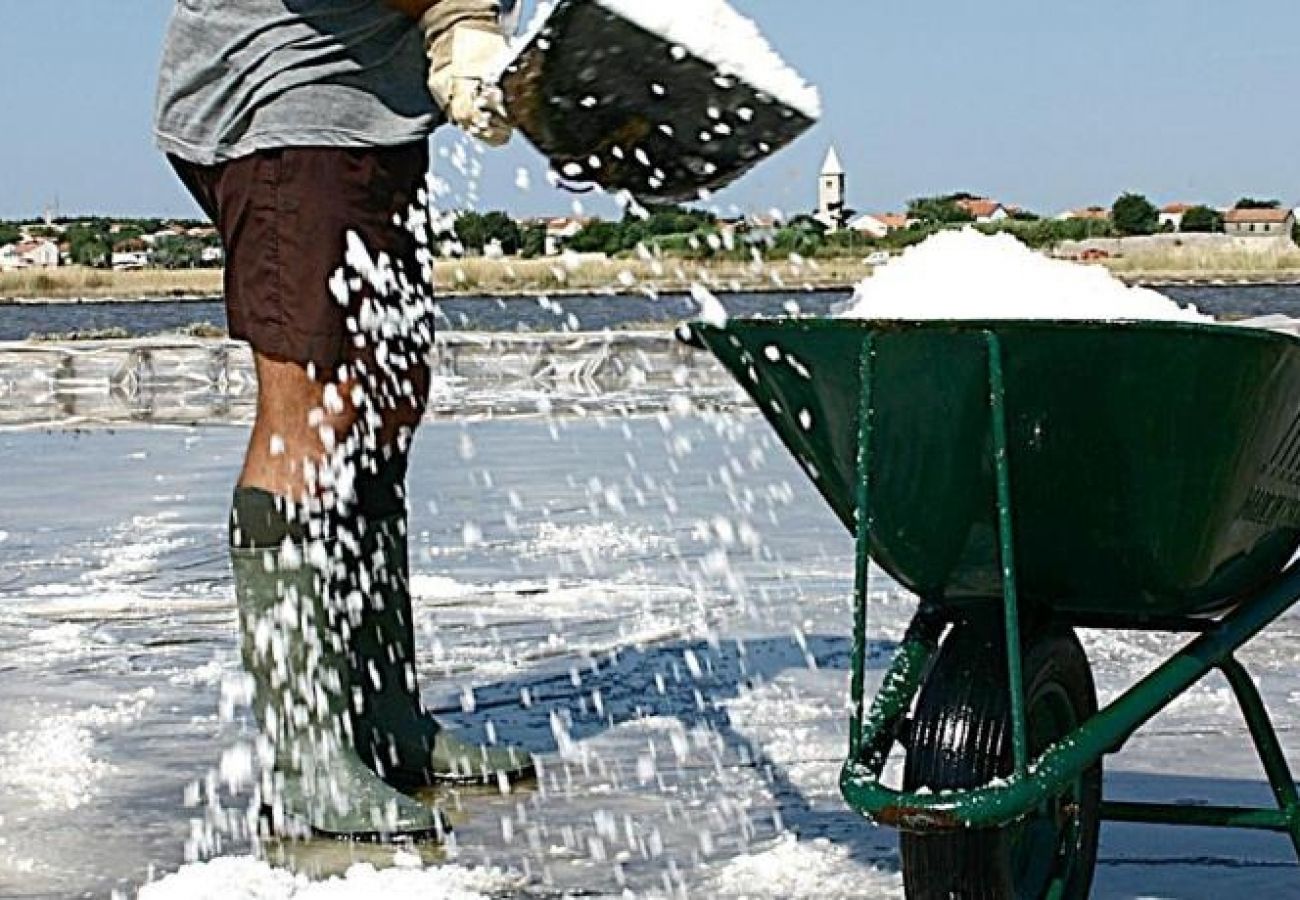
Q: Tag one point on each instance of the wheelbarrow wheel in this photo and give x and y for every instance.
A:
(961, 739)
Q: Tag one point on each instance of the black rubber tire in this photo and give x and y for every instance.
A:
(961, 738)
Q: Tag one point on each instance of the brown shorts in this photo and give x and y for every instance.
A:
(283, 216)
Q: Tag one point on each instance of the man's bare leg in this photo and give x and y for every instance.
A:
(300, 421)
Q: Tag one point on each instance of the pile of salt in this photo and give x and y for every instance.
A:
(970, 275)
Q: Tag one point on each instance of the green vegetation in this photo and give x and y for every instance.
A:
(940, 210)
(669, 229)
(1202, 220)
(1134, 214)
(1252, 203)
(9, 233)
(476, 231)
(90, 243)
(1045, 233)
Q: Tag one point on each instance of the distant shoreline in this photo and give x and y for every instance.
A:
(505, 279)
(520, 280)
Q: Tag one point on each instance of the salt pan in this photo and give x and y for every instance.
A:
(970, 275)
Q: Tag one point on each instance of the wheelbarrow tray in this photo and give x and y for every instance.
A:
(1155, 467)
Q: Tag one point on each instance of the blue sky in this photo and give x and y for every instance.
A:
(1045, 104)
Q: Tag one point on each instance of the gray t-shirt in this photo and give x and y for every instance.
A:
(240, 76)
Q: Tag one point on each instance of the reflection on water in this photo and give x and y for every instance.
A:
(186, 382)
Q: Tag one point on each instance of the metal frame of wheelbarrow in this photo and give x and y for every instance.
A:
(1035, 782)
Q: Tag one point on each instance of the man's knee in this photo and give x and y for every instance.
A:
(302, 407)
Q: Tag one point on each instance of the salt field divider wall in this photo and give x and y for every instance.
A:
(186, 381)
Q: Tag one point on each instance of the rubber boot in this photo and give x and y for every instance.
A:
(394, 733)
(294, 643)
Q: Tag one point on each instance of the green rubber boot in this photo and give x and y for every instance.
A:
(294, 643)
(394, 733)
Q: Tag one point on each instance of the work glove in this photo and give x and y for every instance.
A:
(466, 47)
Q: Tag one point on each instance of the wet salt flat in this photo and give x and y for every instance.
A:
(657, 604)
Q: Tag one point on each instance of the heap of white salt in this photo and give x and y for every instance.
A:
(970, 275)
(714, 32)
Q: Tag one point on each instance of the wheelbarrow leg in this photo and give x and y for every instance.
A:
(862, 562)
(1006, 546)
(1266, 743)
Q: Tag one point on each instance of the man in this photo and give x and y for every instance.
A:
(301, 128)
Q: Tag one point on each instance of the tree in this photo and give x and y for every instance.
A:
(476, 230)
(90, 243)
(941, 210)
(598, 236)
(178, 252)
(802, 234)
(1134, 214)
(533, 241)
(1252, 203)
(1202, 220)
(9, 234)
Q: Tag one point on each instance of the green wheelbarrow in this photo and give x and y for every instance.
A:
(1024, 480)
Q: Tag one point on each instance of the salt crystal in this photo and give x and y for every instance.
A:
(711, 309)
(970, 275)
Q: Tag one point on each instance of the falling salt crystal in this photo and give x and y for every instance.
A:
(712, 311)
(523, 180)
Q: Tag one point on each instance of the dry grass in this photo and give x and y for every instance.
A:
(470, 276)
(77, 282)
(1201, 263)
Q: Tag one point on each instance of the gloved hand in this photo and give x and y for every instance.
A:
(465, 44)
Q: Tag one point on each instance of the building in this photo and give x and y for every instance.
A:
(1259, 222)
(832, 188)
(1171, 217)
(1088, 213)
(30, 254)
(878, 225)
(560, 230)
(983, 210)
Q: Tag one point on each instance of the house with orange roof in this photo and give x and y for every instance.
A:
(1171, 216)
(984, 211)
(1088, 213)
(878, 225)
(1259, 222)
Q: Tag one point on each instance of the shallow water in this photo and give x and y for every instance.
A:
(558, 313)
(658, 605)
